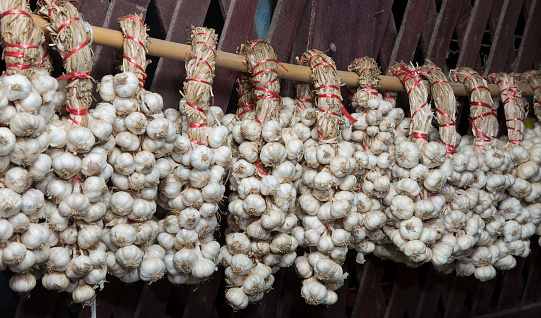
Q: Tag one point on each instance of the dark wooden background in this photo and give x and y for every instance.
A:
(487, 35)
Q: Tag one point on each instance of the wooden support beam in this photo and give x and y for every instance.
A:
(236, 62)
(284, 25)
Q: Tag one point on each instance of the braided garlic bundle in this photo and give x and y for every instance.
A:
(195, 188)
(144, 138)
(261, 210)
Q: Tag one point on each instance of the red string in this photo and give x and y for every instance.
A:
(196, 107)
(199, 80)
(76, 177)
(199, 125)
(129, 37)
(208, 45)
(77, 112)
(141, 80)
(195, 141)
(452, 123)
(419, 135)
(249, 106)
(468, 76)
(418, 109)
(450, 148)
(257, 165)
(133, 17)
(43, 58)
(206, 62)
(15, 12)
(73, 76)
(63, 25)
(259, 121)
(80, 46)
(328, 112)
(438, 82)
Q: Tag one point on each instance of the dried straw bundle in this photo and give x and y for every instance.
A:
(69, 36)
(198, 83)
(305, 96)
(246, 104)
(514, 109)
(134, 47)
(534, 79)
(445, 104)
(329, 100)
(369, 72)
(20, 36)
(482, 111)
(262, 64)
(421, 115)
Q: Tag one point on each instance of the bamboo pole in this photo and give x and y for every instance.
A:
(235, 62)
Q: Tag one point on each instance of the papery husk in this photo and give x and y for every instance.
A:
(247, 100)
(137, 54)
(445, 104)
(261, 59)
(203, 42)
(484, 125)
(369, 72)
(327, 85)
(534, 79)
(513, 107)
(70, 37)
(421, 114)
(20, 29)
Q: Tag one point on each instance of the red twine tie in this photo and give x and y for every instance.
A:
(258, 165)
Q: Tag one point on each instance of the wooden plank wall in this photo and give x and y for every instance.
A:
(383, 29)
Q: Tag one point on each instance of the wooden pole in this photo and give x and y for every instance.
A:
(235, 62)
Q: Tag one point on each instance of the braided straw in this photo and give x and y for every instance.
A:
(134, 47)
(445, 104)
(534, 79)
(20, 36)
(421, 115)
(512, 103)
(262, 64)
(198, 84)
(69, 36)
(304, 98)
(329, 100)
(482, 111)
(369, 72)
(247, 100)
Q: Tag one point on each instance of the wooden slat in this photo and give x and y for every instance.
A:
(428, 26)
(530, 37)
(203, 297)
(469, 51)
(410, 30)
(462, 23)
(370, 301)
(127, 300)
(531, 289)
(457, 295)
(170, 74)
(284, 25)
(372, 20)
(511, 280)
(503, 35)
(483, 296)
(153, 300)
(531, 310)
(40, 302)
(93, 12)
(443, 31)
(405, 294)
(105, 299)
(235, 32)
(387, 44)
(300, 45)
(103, 62)
(435, 287)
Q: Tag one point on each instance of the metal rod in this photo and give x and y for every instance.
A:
(235, 62)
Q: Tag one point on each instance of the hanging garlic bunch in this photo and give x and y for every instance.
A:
(193, 191)
(261, 208)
